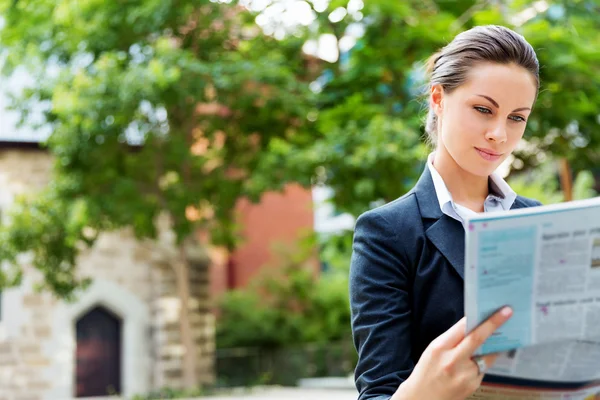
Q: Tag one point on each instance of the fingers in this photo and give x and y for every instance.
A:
(479, 335)
(453, 336)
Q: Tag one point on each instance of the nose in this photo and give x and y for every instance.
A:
(497, 133)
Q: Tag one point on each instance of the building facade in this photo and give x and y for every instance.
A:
(122, 335)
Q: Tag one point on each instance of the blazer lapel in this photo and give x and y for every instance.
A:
(448, 236)
(446, 233)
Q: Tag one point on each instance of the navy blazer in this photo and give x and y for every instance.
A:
(406, 285)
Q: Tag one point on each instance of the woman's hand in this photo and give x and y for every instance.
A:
(446, 370)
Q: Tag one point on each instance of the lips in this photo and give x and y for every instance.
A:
(488, 155)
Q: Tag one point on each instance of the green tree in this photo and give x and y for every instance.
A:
(156, 108)
(368, 142)
(564, 124)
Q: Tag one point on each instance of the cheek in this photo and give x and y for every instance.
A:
(515, 135)
(464, 126)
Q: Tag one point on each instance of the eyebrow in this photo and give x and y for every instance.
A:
(495, 103)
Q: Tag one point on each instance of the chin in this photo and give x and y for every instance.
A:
(478, 169)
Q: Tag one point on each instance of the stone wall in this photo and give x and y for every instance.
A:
(132, 279)
(22, 359)
(23, 331)
(167, 339)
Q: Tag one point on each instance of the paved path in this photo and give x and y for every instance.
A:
(270, 393)
(289, 394)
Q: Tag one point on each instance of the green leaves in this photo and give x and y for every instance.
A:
(570, 74)
(51, 234)
(154, 108)
(287, 306)
(185, 107)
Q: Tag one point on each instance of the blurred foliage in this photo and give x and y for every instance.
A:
(366, 144)
(543, 184)
(154, 107)
(243, 367)
(157, 106)
(565, 121)
(537, 186)
(336, 250)
(287, 304)
(583, 187)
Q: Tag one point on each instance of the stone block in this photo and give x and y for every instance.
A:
(35, 360)
(40, 385)
(32, 300)
(28, 348)
(42, 331)
(28, 396)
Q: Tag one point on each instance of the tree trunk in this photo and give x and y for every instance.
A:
(182, 273)
(566, 179)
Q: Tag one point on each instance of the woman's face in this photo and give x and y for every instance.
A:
(482, 121)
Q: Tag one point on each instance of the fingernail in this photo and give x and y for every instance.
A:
(506, 312)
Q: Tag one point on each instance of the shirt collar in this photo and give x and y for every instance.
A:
(441, 190)
(499, 189)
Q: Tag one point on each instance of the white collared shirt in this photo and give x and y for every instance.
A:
(501, 195)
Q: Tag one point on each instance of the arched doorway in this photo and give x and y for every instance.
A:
(98, 354)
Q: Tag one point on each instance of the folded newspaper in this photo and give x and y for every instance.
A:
(543, 262)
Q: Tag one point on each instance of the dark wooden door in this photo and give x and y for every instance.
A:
(98, 370)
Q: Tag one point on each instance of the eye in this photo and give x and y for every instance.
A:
(483, 110)
(517, 118)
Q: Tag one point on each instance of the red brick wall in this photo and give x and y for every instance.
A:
(278, 218)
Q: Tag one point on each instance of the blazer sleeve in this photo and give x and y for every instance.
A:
(380, 283)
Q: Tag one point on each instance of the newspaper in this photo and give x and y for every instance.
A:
(543, 262)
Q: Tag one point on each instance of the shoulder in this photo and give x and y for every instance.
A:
(523, 202)
(393, 214)
(383, 239)
(396, 222)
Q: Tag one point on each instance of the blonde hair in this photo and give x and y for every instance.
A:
(450, 66)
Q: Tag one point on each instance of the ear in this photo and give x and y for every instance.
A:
(436, 99)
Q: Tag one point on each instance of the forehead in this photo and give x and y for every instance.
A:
(509, 84)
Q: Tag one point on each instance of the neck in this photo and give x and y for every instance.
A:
(467, 189)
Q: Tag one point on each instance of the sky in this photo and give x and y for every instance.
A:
(9, 119)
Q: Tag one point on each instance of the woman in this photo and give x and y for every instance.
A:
(406, 278)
